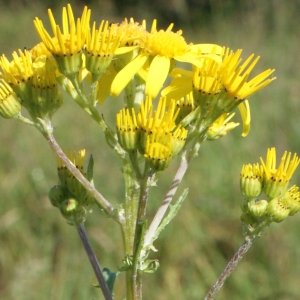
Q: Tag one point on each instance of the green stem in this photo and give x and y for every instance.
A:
(94, 262)
(136, 274)
(132, 191)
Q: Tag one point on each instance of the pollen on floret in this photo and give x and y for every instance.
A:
(163, 43)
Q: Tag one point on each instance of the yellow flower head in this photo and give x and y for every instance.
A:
(19, 73)
(101, 46)
(234, 76)
(160, 120)
(221, 127)
(66, 44)
(158, 150)
(10, 105)
(71, 39)
(130, 32)
(276, 180)
(159, 49)
(34, 82)
(19, 70)
(127, 129)
(39, 50)
(164, 42)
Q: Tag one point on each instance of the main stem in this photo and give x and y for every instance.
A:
(230, 267)
(94, 262)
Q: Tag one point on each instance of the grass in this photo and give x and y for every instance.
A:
(41, 256)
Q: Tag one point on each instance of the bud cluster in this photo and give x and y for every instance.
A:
(281, 201)
(72, 199)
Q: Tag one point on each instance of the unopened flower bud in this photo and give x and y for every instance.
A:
(259, 208)
(292, 196)
(251, 180)
(278, 210)
(72, 211)
(57, 195)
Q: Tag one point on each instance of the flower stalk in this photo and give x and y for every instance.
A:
(230, 267)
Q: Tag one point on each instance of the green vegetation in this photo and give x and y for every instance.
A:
(41, 257)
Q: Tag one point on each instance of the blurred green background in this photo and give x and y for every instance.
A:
(41, 256)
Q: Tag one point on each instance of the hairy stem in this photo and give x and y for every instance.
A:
(94, 262)
(230, 267)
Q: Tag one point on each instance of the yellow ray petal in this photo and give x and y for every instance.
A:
(246, 117)
(125, 75)
(157, 75)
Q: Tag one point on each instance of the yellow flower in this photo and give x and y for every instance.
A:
(161, 120)
(67, 44)
(159, 49)
(158, 150)
(10, 105)
(34, 82)
(127, 129)
(234, 77)
(19, 70)
(129, 33)
(220, 87)
(221, 127)
(100, 48)
(276, 180)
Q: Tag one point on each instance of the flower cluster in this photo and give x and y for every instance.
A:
(197, 105)
(273, 181)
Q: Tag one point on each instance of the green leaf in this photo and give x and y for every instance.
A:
(110, 278)
(173, 210)
(90, 170)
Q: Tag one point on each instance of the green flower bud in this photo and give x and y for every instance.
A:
(251, 180)
(75, 187)
(72, 211)
(278, 210)
(292, 196)
(57, 195)
(69, 64)
(259, 208)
